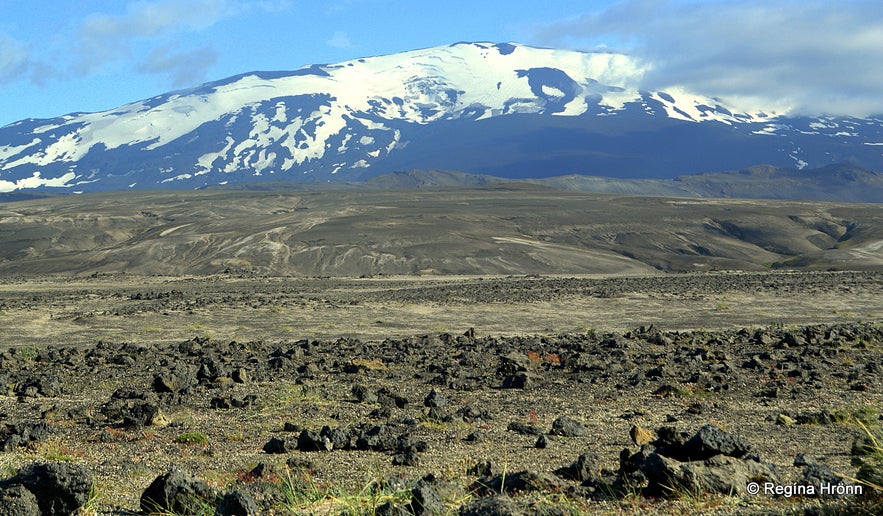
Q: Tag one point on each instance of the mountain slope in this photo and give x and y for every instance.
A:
(502, 109)
(837, 182)
(492, 229)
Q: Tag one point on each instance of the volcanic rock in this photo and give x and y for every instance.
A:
(567, 427)
(720, 474)
(60, 488)
(499, 505)
(16, 500)
(178, 492)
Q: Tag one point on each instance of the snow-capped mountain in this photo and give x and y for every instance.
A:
(504, 109)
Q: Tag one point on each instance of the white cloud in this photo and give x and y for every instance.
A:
(340, 40)
(185, 68)
(806, 56)
(15, 60)
(105, 38)
(157, 30)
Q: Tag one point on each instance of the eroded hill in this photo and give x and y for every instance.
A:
(497, 229)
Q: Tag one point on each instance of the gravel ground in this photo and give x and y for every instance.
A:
(220, 388)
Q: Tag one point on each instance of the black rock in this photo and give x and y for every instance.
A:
(22, 434)
(339, 437)
(513, 363)
(518, 482)
(407, 456)
(291, 427)
(521, 380)
(276, 445)
(387, 398)
(178, 492)
(220, 403)
(542, 442)
(392, 509)
(377, 438)
(567, 427)
(500, 505)
(483, 468)
(656, 372)
(475, 436)
(720, 474)
(587, 466)
(818, 474)
(425, 499)
(711, 440)
(434, 399)
(363, 394)
(16, 500)
(237, 503)
(175, 380)
(670, 442)
(48, 386)
(310, 441)
(523, 428)
(59, 487)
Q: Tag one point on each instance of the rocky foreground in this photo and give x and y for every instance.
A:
(778, 419)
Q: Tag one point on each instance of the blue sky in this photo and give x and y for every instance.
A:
(58, 56)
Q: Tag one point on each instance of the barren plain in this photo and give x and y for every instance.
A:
(501, 350)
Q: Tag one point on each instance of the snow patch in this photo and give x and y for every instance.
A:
(7, 151)
(35, 181)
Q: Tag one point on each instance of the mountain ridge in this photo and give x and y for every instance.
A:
(501, 109)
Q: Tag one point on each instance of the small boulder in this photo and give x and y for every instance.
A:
(500, 505)
(435, 400)
(586, 466)
(363, 394)
(567, 427)
(711, 440)
(178, 492)
(521, 380)
(59, 487)
(524, 429)
(310, 441)
(720, 474)
(518, 482)
(237, 503)
(425, 499)
(174, 380)
(407, 456)
(276, 446)
(641, 436)
(16, 500)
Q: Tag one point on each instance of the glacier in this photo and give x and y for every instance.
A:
(360, 117)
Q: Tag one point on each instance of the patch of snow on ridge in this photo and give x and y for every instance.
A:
(683, 105)
(7, 151)
(35, 181)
